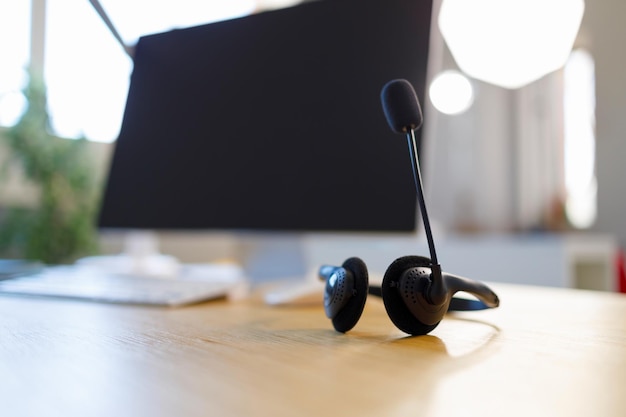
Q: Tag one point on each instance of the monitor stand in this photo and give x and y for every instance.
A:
(270, 257)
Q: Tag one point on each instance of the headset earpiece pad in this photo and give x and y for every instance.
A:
(347, 318)
(397, 310)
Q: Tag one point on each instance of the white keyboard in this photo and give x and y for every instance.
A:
(85, 284)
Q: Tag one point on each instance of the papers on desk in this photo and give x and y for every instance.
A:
(296, 293)
(195, 283)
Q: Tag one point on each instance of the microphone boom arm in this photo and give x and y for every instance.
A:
(417, 176)
(105, 18)
(437, 293)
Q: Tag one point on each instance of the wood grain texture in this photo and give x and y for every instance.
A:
(544, 352)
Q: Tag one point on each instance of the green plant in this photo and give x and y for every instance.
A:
(61, 227)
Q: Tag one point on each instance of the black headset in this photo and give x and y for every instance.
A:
(416, 293)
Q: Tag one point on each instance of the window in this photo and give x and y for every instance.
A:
(580, 141)
(14, 26)
(86, 71)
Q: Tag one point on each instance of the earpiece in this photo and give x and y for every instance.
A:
(345, 293)
(415, 291)
(404, 291)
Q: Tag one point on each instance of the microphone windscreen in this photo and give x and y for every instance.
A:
(401, 107)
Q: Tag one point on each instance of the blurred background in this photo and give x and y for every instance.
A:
(524, 177)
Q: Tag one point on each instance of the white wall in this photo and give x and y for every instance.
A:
(493, 169)
(604, 29)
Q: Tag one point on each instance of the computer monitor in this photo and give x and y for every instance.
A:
(271, 123)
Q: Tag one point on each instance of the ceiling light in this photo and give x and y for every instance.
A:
(451, 92)
(510, 43)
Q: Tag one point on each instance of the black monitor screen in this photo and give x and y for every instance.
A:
(271, 122)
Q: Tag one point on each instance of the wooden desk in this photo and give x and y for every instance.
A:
(545, 352)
